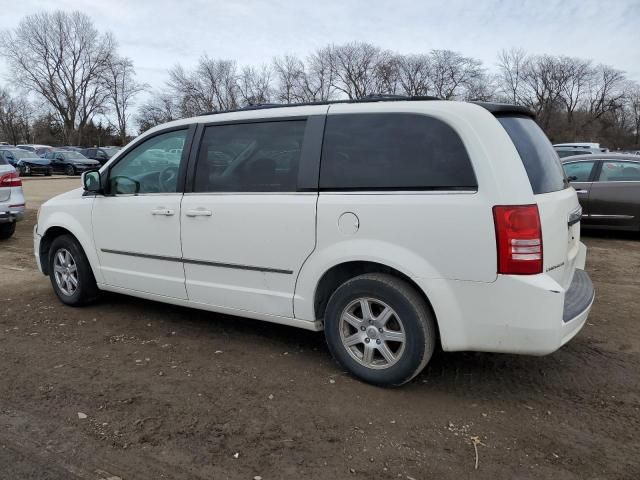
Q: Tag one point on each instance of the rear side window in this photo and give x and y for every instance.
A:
(538, 155)
(620, 171)
(393, 151)
(250, 157)
(580, 171)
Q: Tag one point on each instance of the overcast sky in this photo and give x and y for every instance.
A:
(157, 34)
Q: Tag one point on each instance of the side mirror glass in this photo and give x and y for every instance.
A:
(91, 181)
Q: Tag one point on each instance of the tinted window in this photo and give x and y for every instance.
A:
(250, 157)
(151, 167)
(580, 170)
(619, 171)
(393, 151)
(570, 153)
(538, 156)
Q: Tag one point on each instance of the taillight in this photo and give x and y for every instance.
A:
(10, 180)
(519, 239)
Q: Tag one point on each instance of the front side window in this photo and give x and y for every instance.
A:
(151, 167)
(393, 151)
(250, 157)
(620, 171)
(578, 171)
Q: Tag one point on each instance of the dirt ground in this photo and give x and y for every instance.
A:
(138, 390)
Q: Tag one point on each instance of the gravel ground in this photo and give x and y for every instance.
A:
(139, 390)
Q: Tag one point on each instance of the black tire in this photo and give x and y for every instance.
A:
(49, 172)
(86, 290)
(23, 172)
(69, 170)
(416, 318)
(7, 230)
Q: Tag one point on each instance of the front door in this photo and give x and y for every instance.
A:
(246, 229)
(136, 225)
(579, 174)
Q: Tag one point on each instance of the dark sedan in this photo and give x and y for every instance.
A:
(101, 154)
(70, 163)
(26, 162)
(608, 186)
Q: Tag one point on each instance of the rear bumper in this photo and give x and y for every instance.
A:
(12, 214)
(530, 315)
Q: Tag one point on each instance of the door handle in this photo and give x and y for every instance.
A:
(582, 191)
(167, 212)
(200, 212)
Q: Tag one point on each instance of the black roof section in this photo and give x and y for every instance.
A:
(495, 108)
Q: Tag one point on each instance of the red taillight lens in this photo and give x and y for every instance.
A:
(519, 239)
(10, 180)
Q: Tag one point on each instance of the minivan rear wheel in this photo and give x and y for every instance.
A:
(380, 329)
(70, 272)
(7, 230)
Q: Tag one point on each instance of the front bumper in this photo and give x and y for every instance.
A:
(37, 238)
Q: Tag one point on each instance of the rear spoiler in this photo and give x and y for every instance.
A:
(506, 109)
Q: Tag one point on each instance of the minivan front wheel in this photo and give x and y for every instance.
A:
(70, 272)
(380, 329)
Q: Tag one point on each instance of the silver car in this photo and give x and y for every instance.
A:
(12, 204)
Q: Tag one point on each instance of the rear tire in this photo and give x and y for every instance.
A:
(48, 172)
(380, 329)
(69, 170)
(70, 272)
(7, 230)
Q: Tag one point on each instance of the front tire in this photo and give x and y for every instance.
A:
(70, 272)
(380, 329)
(7, 230)
(69, 170)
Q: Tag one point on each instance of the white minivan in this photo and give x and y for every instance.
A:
(394, 225)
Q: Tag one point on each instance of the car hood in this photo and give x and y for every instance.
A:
(35, 161)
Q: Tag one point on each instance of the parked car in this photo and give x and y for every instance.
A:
(608, 186)
(392, 225)
(71, 148)
(41, 150)
(26, 162)
(12, 203)
(70, 163)
(101, 154)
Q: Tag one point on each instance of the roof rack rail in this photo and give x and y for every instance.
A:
(495, 108)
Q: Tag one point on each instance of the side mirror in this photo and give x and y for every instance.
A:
(572, 178)
(91, 181)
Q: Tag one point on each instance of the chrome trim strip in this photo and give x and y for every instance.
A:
(198, 262)
(626, 217)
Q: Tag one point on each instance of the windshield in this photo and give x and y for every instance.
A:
(74, 156)
(20, 154)
(110, 151)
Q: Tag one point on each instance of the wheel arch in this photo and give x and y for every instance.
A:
(53, 232)
(335, 276)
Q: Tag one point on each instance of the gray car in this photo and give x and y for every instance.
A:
(12, 203)
(608, 187)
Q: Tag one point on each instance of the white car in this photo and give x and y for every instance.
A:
(393, 226)
(12, 203)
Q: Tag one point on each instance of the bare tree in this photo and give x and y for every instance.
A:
(212, 86)
(511, 67)
(605, 91)
(633, 106)
(354, 65)
(15, 117)
(451, 73)
(160, 108)
(290, 77)
(62, 58)
(414, 74)
(254, 85)
(122, 87)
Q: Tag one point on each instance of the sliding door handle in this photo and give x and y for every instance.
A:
(167, 212)
(199, 212)
(582, 191)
